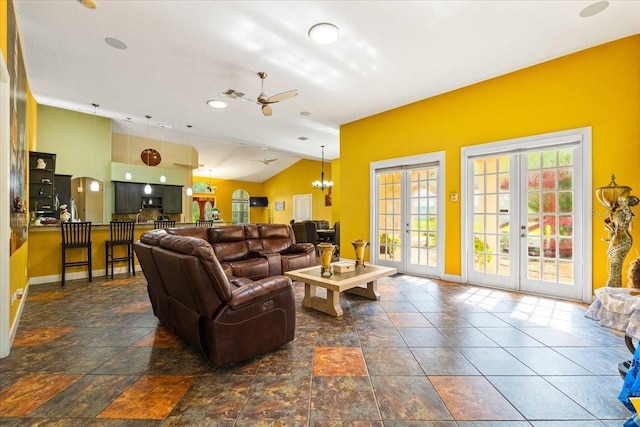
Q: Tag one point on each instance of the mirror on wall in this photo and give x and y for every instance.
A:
(87, 196)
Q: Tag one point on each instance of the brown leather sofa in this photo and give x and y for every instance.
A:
(228, 319)
(254, 251)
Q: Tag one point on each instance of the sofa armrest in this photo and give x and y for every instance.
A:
(273, 258)
(259, 290)
(302, 247)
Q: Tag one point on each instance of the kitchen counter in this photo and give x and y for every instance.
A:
(45, 246)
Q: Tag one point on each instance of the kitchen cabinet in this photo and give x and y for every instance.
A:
(128, 197)
(42, 168)
(172, 199)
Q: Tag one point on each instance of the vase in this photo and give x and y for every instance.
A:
(359, 245)
(326, 252)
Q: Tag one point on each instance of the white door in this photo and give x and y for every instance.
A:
(408, 215)
(525, 225)
(302, 205)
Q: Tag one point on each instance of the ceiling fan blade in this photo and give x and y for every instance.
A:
(282, 96)
(266, 110)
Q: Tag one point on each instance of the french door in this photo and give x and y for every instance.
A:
(525, 222)
(407, 219)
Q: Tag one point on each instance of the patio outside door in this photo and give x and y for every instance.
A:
(525, 218)
(408, 220)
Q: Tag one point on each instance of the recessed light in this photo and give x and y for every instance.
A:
(216, 104)
(305, 113)
(324, 33)
(165, 126)
(89, 4)
(302, 138)
(594, 9)
(118, 44)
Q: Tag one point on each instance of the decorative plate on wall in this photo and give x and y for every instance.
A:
(150, 157)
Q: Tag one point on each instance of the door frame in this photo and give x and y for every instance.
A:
(407, 163)
(581, 136)
(5, 220)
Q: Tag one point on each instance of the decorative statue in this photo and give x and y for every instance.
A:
(620, 240)
(65, 216)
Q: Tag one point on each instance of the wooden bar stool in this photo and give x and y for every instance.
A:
(121, 234)
(163, 223)
(75, 235)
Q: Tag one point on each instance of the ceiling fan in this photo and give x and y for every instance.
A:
(262, 100)
(265, 160)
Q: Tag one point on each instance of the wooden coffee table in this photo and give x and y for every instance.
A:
(351, 282)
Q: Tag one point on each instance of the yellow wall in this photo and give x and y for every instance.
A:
(224, 190)
(297, 179)
(597, 87)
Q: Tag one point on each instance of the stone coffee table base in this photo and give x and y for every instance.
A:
(362, 282)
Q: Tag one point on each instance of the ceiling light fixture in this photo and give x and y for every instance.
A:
(89, 4)
(127, 174)
(322, 184)
(594, 9)
(147, 188)
(163, 178)
(216, 104)
(95, 186)
(324, 33)
(189, 189)
(115, 43)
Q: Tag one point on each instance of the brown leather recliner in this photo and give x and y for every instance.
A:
(228, 320)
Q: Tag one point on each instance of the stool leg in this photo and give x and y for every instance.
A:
(64, 261)
(106, 258)
(90, 265)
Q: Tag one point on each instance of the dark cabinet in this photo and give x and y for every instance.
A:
(42, 168)
(128, 199)
(172, 199)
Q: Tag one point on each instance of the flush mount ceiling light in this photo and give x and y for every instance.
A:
(115, 43)
(594, 9)
(216, 104)
(324, 33)
(89, 4)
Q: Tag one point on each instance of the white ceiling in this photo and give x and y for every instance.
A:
(182, 53)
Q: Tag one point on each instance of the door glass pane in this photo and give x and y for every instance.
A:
(491, 220)
(389, 219)
(423, 202)
(550, 215)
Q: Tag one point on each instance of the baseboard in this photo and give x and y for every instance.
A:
(21, 304)
(52, 278)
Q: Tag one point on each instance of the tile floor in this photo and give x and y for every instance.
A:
(427, 353)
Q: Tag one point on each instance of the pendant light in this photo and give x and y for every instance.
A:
(163, 178)
(95, 185)
(322, 184)
(127, 174)
(147, 188)
(189, 189)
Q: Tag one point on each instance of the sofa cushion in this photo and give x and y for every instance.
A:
(202, 250)
(199, 232)
(228, 243)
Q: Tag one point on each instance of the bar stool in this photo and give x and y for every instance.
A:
(121, 234)
(204, 223)
(75, 235)
(163, 223)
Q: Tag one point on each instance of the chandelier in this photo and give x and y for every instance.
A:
(322, 184)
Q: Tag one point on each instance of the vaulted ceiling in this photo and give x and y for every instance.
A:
(180, 54)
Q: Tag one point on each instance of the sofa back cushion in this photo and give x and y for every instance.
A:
(276, 237)
(189, 262)
(228, 243)
(199, 232)
(252, 234)
(153, 237)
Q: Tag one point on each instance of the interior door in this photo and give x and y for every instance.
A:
(302, 205)
(409, 216)
(522, 218)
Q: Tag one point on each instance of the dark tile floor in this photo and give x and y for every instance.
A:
(425, 354)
